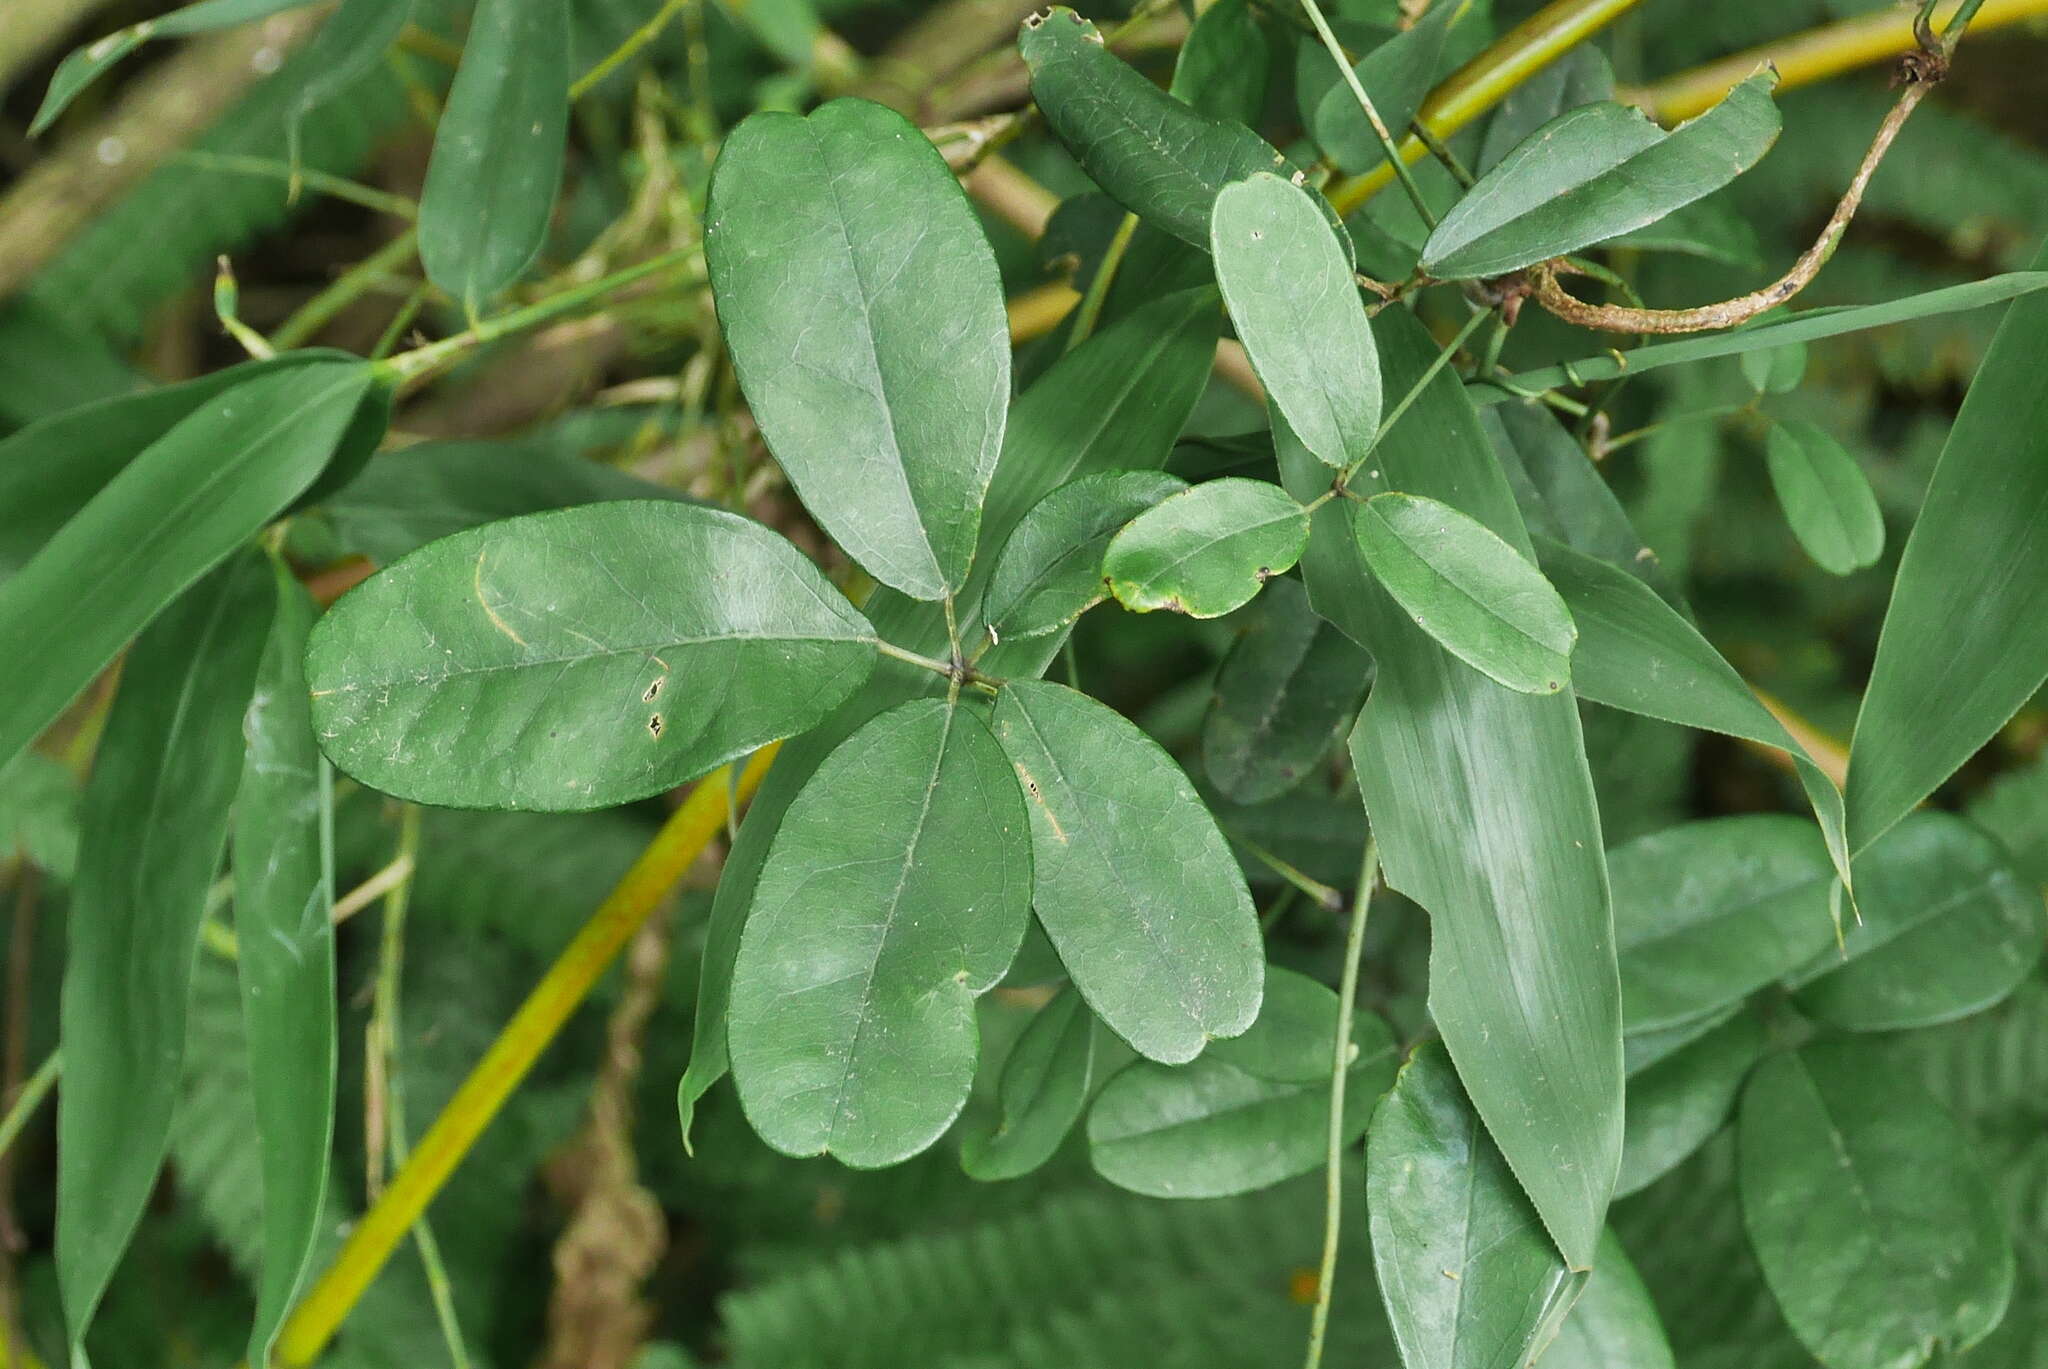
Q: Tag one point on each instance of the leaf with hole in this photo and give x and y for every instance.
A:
(1826, 499)
(1288, 687)
(1207, 550)
(1040, 1094)
(1050, 570)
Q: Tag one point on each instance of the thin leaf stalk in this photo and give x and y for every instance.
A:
(1372, 114)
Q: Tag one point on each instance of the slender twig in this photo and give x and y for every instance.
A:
(931, 663)
(1322, 894)
(1340, 1067)
(1394, 415)
(350, 286)
(28, 1100)
(1442, 152)
(1098, 288)
(340, 187)
(1372, 114)
(626, 51)
(392, 877)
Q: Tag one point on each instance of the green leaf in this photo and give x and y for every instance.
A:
(284, 903)
(1467, 1272)
(1290, 684)
(881, 385)
(1947, 929)
(1829, 504)
(174, 512)
(2014, 808)
(1962, 648)
(1596, 173)
(1675, 1105)
(1049, 572)
(39, 813)
(1040, 1094)
(581, 658)
(1876, 1229)
(1159, 158)
(1289, 288)
(1484, 811)
(1581, 77)
(895, 894)
(1708, 912)
(1712, 229)
(154, 823)
(1614, 1324)
(347, 47)
(1481, 600)
(1207, 550)
(1244, 1119)
(85, 65)
(498, 150)
(1776, 371)
(1223, 65)
(1135, 885)
(1397, 74)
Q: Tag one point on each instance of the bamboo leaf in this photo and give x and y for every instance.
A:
(1875, 1226)
(1290, 684)
(1207, 550)
(498, 151)
(348, 46)
(1678, 1103)
(1049, 572)
(1040, 1094)
(1398, 74)
(881, 385)
(172, 513)
(1962, 648)
(853, 1027)
(1596, 173)
(1151, 916)
(1289, 288)
(284, 902)
(585, 652)
(154, 823)
(1829, 504)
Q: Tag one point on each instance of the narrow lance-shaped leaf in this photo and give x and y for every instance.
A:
(498, 150)
(880, 385)
(284, 901)
(352, 41)
(1594, 174)
(1397, 74)
(1289, 287)
(1207, 550)
(1962, 647)
(1285, 691)
(1826, 499)
(1151, 915)
(1039, 1095)
(896, 892)
(580, 658)
(174, 512)
(155, 820)
(1049, 572)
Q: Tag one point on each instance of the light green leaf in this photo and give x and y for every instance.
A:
(284, 903)
(1596, 173)
(1288, 687)
(580, 658)
(1159, 158)
(1040, 1094)
(498, 150)
(1482, 600)
(1962, 647)
(172, 513)
(1675, 1105)
(1948, 928)
(1397, 74)
(1875, 1226)
(1614, 1324)
(895, 894)
(1707, 912)
(1246, 1117)
(1207, 550)
(1050, 570)
(1776, 371)
(1484, 811)
(39, 813)
(1151, 915)
(1826, 499)
(880, 385)
(155, 820)
(1469, 1277)
(1223, 65)
(1289, 288)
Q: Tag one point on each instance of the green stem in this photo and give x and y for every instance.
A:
(1340, 1067)
(1318, 891)
(317, 312)
(1952, 34)
(1443, 359)
(624, 52)
(1098, 288)
(30, 1097)
(369, 197)
(1372, 114)
(931, 663)
(1438, 149)
(1636, 435)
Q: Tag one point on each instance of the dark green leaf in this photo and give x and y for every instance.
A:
(1397, 75)
(1677, 1103)
(1135, 885)
(1159, 158)
(881, 385)
(581, 658)
(1043, 1087)
(1050, 571)
(1468, 1274)
(348, 46)
(1825, 498)
(1711, 229)
(1223, 65)
(1947, 928)
(1594, 174)
(1288, 687)
(1709, 911)
(2015, 810)
(284, 904)
(1613, 1325)
(1962, 647)
(1580, 77)
(1644, 1050)
(155, 820)
(1289, 288)
(1484, 811)
(895, 894)
(497, 163)
(1876, 1229)
(1207, 550)
(1481, 600)
(175, 511)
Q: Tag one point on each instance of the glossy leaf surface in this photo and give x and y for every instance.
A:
(1290, 684)
(1207, 550)
(1826, 498)
(1050, 571)
(1040, 1093)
